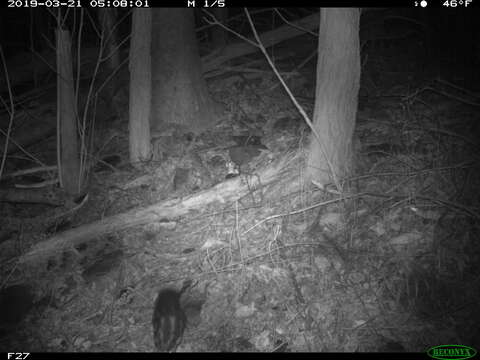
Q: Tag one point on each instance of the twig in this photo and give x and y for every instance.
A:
(38, 185)
(75, 208)
(230, 19)
(107, 80)
(22, 149)
(213, 21)
(458, 98)
(11, 112)
(293, 25)
(303, 210)
(455, 206)
(31, 171)
(447, 83)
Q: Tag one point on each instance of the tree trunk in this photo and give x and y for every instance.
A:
(69, 159)
(180, 95)
(107, 20)
(338, 78)
(140, 85)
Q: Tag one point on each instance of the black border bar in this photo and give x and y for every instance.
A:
(205, 4)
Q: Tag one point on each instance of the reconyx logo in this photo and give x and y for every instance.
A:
(451, 352)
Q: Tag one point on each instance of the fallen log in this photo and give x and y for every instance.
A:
(242, 48)
(225, 192)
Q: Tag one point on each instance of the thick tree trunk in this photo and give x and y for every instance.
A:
(107, 19)
(180, 95)
(69, 159)
(338, 78)
(140, 85)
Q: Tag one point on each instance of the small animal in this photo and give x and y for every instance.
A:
(168, 319)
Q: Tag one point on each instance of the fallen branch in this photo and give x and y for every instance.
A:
(30, 196)
(30, 171)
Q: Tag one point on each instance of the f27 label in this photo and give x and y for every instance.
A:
(17, 356)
